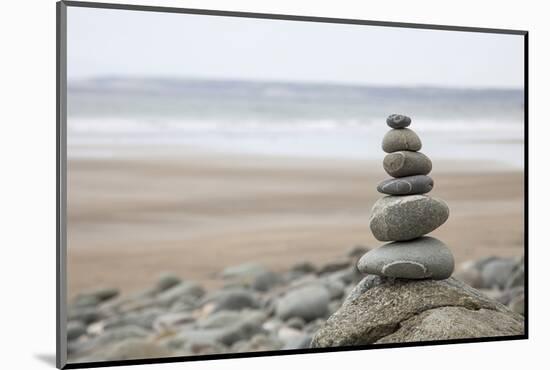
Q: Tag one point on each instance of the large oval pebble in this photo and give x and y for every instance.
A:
(396, 218)
(405, 163)
(408, 185)
(402, 139)
(421, 258)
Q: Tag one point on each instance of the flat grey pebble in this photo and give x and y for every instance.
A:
(408, 185)
(421, 258)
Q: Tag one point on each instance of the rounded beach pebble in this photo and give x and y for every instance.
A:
(308, 302)
(405, 163)
(403, 139)
(398, 121)
(397, 218)
(421, 258)
(409, 185)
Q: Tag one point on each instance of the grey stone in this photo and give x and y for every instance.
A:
(245, 271)
(398, 121)
(194, 340)
(455, 323)
(405, 163)
(421, 258)
(408, 185)
(497, 272)
(86, 301)
(296, 323)
(184, 304)
(166, 281)
(219, 319)
(205, 348)
(251, 275)
(119, 333)
(97, 295)
(304, 268)
(480, 264)
(136, 302)
(401, 139)
(398, 218)
(273, 324)
(305, 280)
(87, 315)
(335, 288)
(185, 289)
(233, 299)
(308, 302)
(471, 276)
(397, 311)
(75, 329)
(248, 325)
(173, 320)
(144, 318)
(266, 280)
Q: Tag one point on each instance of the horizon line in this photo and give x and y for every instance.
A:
(181, 78)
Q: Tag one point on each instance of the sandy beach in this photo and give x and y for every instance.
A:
(194, 214)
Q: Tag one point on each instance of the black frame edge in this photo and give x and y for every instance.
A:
(526, 182)
(288, 17)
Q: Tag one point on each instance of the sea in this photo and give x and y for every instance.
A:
(318, 120)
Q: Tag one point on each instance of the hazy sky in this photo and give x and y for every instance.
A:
(131, 43)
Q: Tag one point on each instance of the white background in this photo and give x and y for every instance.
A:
(27, 227)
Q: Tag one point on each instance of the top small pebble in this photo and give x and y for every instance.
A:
(398, 121)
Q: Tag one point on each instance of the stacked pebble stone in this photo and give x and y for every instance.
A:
(406, 214)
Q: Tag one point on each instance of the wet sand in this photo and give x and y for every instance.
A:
(194, 214)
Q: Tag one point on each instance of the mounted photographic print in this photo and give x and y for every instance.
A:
(238, 184)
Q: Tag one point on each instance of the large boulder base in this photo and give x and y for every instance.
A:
(384, 310)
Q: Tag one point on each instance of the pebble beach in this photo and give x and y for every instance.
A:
(255, 309)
